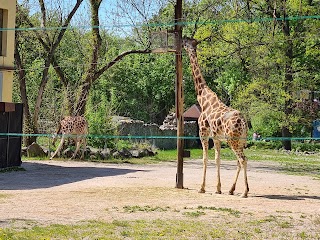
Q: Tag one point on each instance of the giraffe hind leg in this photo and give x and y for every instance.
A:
(84, 140)
(241, 163)
(78, 143)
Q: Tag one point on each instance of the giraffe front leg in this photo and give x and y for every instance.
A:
(58, 149)
(217, 148)
(233, 187)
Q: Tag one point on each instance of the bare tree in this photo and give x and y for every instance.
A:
(50, 44)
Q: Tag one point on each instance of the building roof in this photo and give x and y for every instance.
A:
(193, 113)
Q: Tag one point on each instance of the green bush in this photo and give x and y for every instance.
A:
(306, 146)
(265, 144)
(276, 145)
(99, 116)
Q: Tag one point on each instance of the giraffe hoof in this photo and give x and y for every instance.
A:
(230, 193)
(202, 191)
(218, 192)
(244, 195)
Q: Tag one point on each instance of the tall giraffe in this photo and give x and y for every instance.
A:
(218, 121)
(72, 126)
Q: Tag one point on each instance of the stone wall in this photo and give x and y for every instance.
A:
(162, 137)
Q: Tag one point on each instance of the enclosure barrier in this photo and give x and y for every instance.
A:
(167, 24)
(129, 137)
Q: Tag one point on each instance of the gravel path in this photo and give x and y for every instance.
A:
(68, 192)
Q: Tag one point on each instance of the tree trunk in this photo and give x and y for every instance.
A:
(286, 142)
(288, 81)
(30, 128)
(288, 54)
(96, 43)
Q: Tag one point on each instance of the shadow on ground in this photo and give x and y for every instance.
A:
(42, 175)
(289, 197)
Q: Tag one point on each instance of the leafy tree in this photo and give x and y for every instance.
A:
(238, 56)
(142, 87)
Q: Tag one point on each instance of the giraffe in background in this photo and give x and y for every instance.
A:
(72, 126)
(218, 121)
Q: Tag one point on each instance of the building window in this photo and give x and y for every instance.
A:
(3, 33)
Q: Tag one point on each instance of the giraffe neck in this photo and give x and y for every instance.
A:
(198, 79)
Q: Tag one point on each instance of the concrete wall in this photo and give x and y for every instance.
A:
(7, 54)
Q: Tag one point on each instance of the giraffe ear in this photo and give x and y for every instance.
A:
(194, 42)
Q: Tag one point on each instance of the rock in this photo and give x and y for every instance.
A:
(125, 153)
(150, 152)
(116, 154)
(46, 150)
(105, 153)
(24, 151)
(67, 153)
(34, 150)
(170, 122)
(136, 153)
(93, 151)
(140, 153)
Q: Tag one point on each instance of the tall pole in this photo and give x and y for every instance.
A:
(179, 94)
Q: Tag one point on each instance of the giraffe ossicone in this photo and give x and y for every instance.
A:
(219, 122)
(74, 127)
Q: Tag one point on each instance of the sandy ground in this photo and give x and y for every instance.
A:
(68, 192)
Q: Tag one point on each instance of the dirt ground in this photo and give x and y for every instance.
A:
(68, 192)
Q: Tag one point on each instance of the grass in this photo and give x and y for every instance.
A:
(201, 210)
(138, 229)
(147, 208)
(292, 163)
(271, 228)
(196, 213)
(235, 213)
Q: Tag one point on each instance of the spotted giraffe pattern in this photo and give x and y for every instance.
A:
(77, 126)
(219, 122)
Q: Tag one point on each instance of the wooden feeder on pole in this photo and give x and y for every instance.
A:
(163, 42)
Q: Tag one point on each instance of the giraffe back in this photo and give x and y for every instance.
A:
(73, 125)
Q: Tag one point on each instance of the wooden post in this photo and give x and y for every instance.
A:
(179, 94)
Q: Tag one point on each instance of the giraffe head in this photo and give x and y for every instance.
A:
(189, 43)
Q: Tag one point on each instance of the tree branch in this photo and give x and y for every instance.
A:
(117, 59)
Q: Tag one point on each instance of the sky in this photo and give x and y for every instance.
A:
(112, 16)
